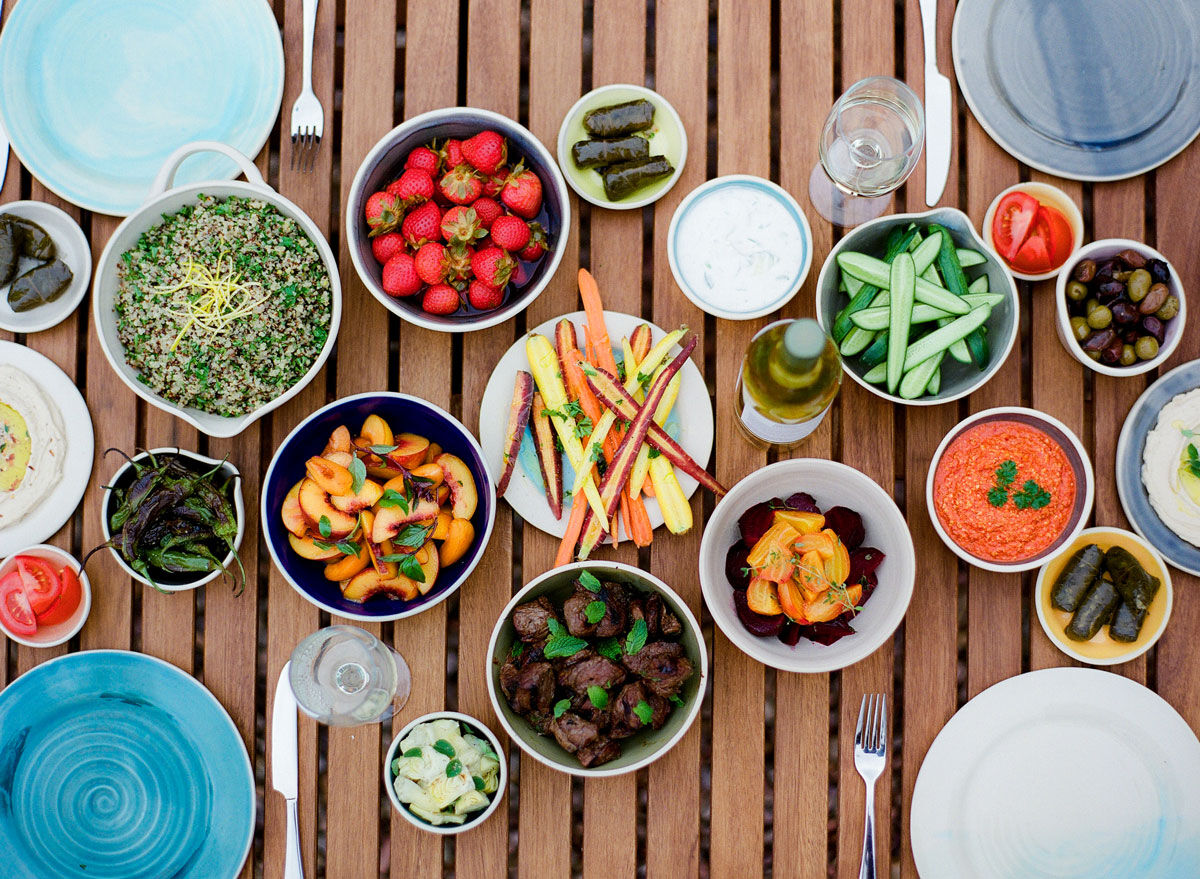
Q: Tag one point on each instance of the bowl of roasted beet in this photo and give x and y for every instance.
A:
(597, 668)
(807, 565)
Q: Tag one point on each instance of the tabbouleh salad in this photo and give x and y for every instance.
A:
(224, 306)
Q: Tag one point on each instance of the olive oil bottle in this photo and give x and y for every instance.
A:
(790, 376)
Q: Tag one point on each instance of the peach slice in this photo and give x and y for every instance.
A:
(293, 517)
(432, 452)
(410, 450)
(376, 431)
(347, 566)
(427, 557)
(443, 494)
(401, 587)
(459, 537)
(341, 458)
(333, 478)
(367, 497)
(441, 530)
(305, 548)
(339, 441)
(363, 585)
(432, 472)
(762, 597)
(463, 496)
(314, 501)
(376, 551)
(389, 521)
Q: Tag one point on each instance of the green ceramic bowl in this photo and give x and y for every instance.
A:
(669, 140)
(643, 748)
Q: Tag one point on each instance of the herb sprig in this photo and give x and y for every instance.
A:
(1030, 496)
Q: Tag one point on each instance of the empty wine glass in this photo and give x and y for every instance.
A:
(345, 676)
(870, 144)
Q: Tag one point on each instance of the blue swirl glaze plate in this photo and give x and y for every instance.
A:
(1085, 89)
(95, 94)
(1130, 448)
(116, 765)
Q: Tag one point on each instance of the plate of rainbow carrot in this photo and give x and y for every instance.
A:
(597, 427)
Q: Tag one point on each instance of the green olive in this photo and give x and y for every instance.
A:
(1091, 305)
(1122, 276)
(1169, 309)
(1146, 348)
(1095, 355)
(1099, 317)
(1138, 285)
(1077, 291)
(1128, 356)
(1080, 328)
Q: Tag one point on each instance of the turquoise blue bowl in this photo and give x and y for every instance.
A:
(95, 94)
(116, 765)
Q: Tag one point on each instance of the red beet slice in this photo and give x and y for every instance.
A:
(790, 634)
(755, 522)
(870, 581)
(847, 525)
(864, 561)
(756, 623)
(803, 502)
(828, 632)
(737, 566)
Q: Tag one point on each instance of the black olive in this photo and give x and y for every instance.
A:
(1154, 327)
(1123, 312)
(1131, 334)
(1099, 340)
(1158, 270)
(1112, 354)
(1109, 291)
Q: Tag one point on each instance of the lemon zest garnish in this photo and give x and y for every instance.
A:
(211, 300)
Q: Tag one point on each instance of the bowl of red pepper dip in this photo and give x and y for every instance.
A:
(1007, 487)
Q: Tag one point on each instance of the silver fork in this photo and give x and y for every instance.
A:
(870, 757)
(308, 118)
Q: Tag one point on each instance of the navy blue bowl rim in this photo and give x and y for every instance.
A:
(323, 593)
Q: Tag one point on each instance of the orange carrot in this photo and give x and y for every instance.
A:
(566, 549)
(590, 293)
(638, 521)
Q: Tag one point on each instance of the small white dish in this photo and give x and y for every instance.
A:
(59, 633)
(62, 393)
(1050, 196)
(1099, 251)
(198, 462)
(692, 413)
(727, 206)
(476, 818)
(71, 246)
(669, 139)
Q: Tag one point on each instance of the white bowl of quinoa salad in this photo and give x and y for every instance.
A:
(217, 301)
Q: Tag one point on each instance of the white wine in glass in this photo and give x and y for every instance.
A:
(345, 676)
(869, 146)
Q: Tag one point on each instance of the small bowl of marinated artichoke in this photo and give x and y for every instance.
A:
(1121, 307)
(445, 772)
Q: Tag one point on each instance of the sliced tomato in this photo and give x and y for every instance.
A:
(15, 612)
(1033, 258)
(1059, 236)
(68, 602)
(41, 583)
(1011, 224)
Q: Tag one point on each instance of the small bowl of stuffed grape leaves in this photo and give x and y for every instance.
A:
(45, 266)
(597, 668)
(622, 147)
(1106, 598)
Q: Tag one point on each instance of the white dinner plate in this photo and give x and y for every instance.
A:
(690, 422)
(1064, 773)
(60, 392)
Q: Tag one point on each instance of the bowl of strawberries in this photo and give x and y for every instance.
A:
(455, 219)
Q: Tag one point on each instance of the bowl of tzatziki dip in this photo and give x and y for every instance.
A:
(739, 246)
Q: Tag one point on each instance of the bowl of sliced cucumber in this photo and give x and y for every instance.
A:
(922, 309)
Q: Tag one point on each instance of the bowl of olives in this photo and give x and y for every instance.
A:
(1121, 308)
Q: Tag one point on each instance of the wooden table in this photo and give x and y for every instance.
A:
(753, 81)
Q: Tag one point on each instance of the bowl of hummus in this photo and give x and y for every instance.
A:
(1008, 487)
(32, 446)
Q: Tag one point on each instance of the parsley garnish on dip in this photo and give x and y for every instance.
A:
(1004, 491)
(33, 445)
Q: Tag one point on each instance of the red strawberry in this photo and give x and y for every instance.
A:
(452, 154)
(384, 213)
(487, 209)
(424, 159)
(423, 223)
(460, 185)
(522, 193)
(400, 276)
(484, 296)
(461, 224)
(458, 263)
(492, 266)
(510, 233)
(414, 187)
(441, 299)
(485, 152)
(429, 262)
(495, 182)
(538, 243)
(387, 245)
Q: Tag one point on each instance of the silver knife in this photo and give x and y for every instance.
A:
(285, 769)
(938, 129)
(3, 134)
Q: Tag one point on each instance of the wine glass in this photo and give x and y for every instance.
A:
(870, 144)
(345, 676)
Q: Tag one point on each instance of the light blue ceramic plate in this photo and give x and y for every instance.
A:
(115, 765)
(95, 94)
(1130, 449)
(1086, 89)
